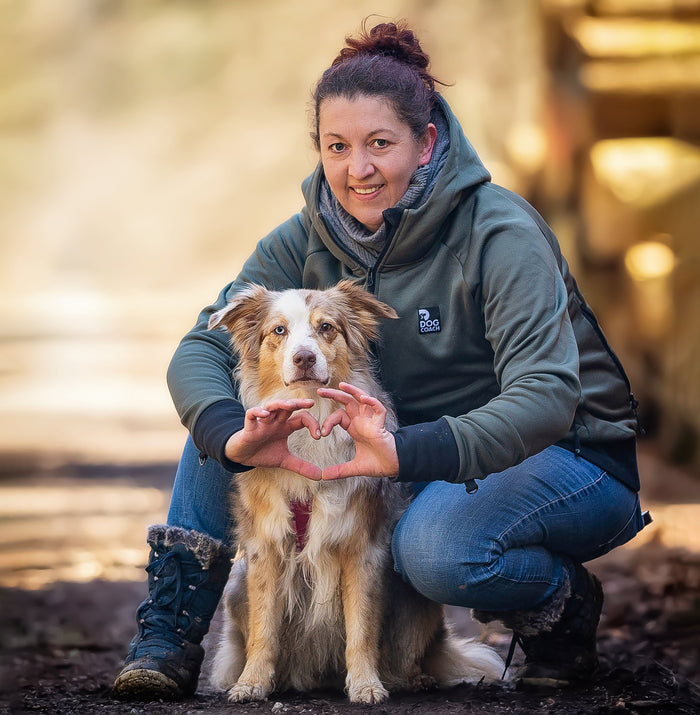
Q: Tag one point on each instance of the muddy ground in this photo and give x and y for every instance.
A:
(62, 645)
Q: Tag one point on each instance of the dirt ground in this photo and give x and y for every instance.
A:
(62, 644)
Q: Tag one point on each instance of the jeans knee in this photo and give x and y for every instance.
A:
(442, 570)
(412, 550)
(398, 552)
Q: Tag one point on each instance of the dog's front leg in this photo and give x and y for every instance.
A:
(257, 680)
(362, 611)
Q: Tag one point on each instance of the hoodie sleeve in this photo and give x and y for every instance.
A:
(427, 452)
(515, 282)
(524, 303)
(200, 372)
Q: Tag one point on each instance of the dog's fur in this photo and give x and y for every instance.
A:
(335, 610)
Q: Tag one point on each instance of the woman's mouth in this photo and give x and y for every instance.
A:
(366, 190)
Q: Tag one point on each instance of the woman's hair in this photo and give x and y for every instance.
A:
(386, 62)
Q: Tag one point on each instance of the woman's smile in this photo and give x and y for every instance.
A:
(367, 191)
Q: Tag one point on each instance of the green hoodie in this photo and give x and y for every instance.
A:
(495, 354)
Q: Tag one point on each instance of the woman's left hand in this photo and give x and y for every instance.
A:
(363, 417)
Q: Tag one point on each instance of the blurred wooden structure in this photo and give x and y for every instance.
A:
(623, 167)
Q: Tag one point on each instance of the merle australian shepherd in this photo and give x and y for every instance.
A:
(313, 600)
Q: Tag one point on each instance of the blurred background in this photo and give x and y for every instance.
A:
(145, 146)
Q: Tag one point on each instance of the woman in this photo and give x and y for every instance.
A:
(497, 368)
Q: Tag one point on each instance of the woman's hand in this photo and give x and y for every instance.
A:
(364, 418)
(263, 440)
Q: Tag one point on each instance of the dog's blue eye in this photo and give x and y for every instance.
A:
(279, 330)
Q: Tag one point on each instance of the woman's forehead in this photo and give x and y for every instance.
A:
(368, 112)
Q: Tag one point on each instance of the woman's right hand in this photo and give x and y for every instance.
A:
(263, 440)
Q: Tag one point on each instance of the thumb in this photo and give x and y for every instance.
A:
(338, 471)
(300, 466)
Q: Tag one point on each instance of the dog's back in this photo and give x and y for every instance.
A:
(313, 599)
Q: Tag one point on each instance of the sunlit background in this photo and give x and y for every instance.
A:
(146, 145)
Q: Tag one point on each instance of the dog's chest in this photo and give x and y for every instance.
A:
(293, 512)
(283, 506)
(337, 447)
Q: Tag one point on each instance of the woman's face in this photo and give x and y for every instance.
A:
(369, 155)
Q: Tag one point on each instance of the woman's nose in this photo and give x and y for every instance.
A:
(360, 166)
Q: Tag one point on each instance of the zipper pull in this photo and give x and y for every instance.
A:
(634, 404)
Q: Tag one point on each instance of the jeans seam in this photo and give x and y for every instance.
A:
(553, 501)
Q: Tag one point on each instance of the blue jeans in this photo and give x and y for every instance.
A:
(509, 545)
(506, 546)
(201, 496)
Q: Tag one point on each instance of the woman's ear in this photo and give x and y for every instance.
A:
(427, 142)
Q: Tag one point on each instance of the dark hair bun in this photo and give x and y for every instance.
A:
(390, 40)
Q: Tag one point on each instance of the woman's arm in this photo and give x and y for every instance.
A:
(536, 361)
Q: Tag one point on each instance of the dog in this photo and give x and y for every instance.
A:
(313, 600)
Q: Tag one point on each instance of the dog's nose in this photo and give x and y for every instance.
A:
(304, 359)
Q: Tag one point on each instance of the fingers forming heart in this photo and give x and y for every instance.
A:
(267, 427)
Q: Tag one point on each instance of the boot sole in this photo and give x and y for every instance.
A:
(541, 683)
(536, 682)
(145, 685)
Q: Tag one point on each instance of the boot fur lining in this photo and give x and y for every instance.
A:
(532, 621)
(206, 549)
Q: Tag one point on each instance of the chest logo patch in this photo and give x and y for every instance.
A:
(429, 320)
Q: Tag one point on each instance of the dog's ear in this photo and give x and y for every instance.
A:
(364, 314)
(241, 317)
(363, 302)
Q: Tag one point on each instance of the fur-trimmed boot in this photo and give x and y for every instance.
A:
(187, 572)
(559, 637)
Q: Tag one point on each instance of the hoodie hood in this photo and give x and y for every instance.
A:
(419, 227)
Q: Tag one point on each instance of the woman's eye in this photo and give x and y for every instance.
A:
(337, 147)
(279, 330)
(381, 143)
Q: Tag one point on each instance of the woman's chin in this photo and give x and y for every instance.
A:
(371, 223)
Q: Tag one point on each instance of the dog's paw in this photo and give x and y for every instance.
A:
(368, 693)
(248, 692)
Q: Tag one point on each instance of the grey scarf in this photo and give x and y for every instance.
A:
(353, 235)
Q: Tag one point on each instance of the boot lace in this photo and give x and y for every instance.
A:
(515, 640)
(163, 622)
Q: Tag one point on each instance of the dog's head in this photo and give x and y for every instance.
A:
(301, 339)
